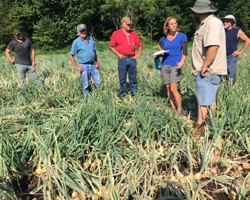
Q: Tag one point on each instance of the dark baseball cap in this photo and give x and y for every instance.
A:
(16, 32)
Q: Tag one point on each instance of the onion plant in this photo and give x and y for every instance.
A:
(57, 145)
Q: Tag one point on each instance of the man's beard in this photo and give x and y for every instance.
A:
(196, 18)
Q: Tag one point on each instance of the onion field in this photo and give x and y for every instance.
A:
(56, 145)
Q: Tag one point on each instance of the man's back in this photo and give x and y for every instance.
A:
(210, 33)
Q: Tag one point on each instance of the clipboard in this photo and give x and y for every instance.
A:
(161, 52)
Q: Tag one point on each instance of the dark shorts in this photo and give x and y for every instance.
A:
(170, 74)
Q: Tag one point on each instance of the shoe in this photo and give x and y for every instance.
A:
(122, 95)
(183, 113)
(133, 93)
(198, 130)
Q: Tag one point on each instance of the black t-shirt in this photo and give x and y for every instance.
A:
(22, 51)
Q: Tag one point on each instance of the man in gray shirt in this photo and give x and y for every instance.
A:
(24, 58)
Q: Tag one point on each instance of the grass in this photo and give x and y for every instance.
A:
(54, 144)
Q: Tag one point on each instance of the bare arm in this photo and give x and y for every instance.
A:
(7, 53)
(113, 49)
(96, 61)
(33, 56)
(159, 47)
(183, 57)
(246, 40)
(76, 66)
(210, 56)
(138, 55)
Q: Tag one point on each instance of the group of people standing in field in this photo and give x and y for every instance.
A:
(214, 54)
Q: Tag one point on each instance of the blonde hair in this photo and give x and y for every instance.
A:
(165, 26)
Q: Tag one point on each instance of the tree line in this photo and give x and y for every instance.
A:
(51, 24)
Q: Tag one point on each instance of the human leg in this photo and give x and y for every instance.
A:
(95, 76)
(21, 70)
(85, 79)
(165, 74)
(170, 97)
(206, 89)
(231, 67)
(213, 107)
(174, 79)
(203, 112)
(132, 73)
(122, 72)
(177, 96)
(32, 72)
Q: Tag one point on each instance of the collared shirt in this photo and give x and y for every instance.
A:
(211, 32)
(125, 45)
(86, 52)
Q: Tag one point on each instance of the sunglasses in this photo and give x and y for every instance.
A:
(127, 24)
(226, 21)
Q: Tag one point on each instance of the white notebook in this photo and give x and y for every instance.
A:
(159, 52)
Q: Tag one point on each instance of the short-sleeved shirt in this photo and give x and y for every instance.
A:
(210, 32)
(86, 53)
(22, 51)
(125, 45)
(175, 49)
(232, 40)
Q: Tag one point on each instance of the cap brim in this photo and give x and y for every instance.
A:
(16, 33)
(227, 19)
(231, 20)
(199, 11)
(82, 30)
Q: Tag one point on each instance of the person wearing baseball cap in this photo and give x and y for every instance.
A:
(208, 60)
(80, 28)
(127, 46)
(86, 64)
(24, 58)
(233, 34)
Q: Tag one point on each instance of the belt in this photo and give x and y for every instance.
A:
(88, 63)
(132, 55)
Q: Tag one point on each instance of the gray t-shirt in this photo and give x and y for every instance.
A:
(22, 51)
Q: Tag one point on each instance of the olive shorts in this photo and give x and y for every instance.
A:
(170, 74)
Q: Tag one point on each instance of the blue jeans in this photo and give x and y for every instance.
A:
(127, 65)
(206, 88)
(21, 71)
(231, 67)
(89, 70)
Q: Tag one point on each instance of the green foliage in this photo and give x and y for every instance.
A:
(10, 18)
(240, 9)
(52, 23)
(44, 32)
